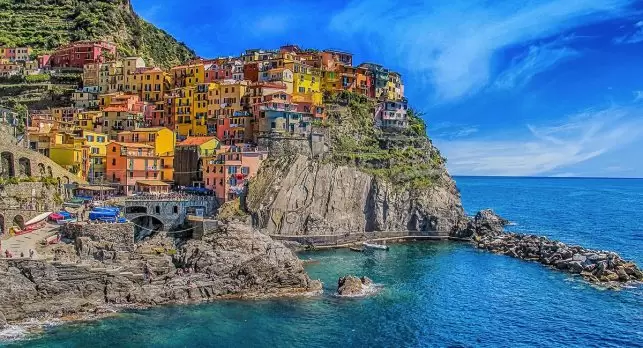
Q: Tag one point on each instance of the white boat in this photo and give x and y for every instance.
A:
(37, 219)
(375, 246)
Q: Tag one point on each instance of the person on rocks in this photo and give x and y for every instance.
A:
(31, 253)
(22, 254)
(7, 253)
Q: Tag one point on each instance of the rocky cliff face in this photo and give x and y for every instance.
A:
(104, 274)
(304, 196)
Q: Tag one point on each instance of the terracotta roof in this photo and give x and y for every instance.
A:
(192, 141)
(135, 145)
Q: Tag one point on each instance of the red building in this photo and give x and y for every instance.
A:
(77, 54)
(251, 72)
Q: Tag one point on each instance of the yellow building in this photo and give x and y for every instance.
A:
(130, 68)
(71, 153)
(88, 120)
(227, 98)
(188, 75)
(97, 143)
(162, 139)
(306, 83)
(151, 83)
(395, 88)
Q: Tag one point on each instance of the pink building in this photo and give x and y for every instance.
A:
(227, 172)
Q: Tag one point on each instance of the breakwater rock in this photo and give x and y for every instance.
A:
(351, 286)
(593, 265)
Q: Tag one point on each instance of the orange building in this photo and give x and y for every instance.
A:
(128, 163)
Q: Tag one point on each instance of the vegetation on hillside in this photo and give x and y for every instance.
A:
(47, 24)
(406, 158)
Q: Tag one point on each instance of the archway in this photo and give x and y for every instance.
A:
(136, 210)
(6, 165)
(19, 221)
(41, 169)
(24, 167)
(145, 226)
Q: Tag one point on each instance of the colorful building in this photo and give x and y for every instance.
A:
(392, 114)
(16, 54)
(306, 83)
(77, 54)
(188, 160)
(97, 152)
(162, 140)
(128, 163)
(228, 171)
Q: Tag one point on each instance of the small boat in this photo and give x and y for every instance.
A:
(375, 246)
(359, 250)
(66, 221)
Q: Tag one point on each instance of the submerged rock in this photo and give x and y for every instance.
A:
(354, 286)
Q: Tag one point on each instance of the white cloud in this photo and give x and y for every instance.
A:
(452, 42)
(631, 38)
(545, 149)
(449, 130)
(537, 59)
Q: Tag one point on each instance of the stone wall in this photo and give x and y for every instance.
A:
(26, 200)
(104, 242)
(312, 146)
(18, 161)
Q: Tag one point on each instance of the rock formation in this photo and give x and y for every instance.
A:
(111, 272)
(486, 232)
(351, 286)
(304, 196)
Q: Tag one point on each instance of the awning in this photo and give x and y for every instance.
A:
(152, 183)
(96, 188)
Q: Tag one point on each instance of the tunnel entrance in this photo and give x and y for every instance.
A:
(145, 226)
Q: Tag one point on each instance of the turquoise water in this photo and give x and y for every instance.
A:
(433, 294)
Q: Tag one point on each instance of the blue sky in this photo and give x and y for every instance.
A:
(512, 87)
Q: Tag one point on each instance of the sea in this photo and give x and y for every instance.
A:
(431, 294)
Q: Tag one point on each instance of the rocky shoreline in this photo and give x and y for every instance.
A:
(605, 268)
(101, 271)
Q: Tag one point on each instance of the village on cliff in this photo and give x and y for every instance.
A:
(199, 126)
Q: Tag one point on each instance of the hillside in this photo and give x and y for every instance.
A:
(46, 24)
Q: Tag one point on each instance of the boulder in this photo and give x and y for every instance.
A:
(353, 286)
(575, 266)
(3, 321)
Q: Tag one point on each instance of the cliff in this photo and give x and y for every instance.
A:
(354, 178)
(46, 24)
(103, 270)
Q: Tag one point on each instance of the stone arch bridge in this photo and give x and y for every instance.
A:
(168, 213)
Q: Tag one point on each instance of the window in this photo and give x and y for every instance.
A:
(113, 161)
(302, 90)
(113, 148)
(131, 174)
(94, 150)
(175, 209)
